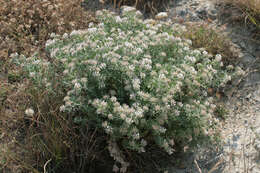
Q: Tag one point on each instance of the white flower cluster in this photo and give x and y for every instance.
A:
(29, 112)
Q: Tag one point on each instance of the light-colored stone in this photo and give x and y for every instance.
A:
(127, 9)
(161, 15)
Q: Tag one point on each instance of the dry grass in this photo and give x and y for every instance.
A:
(246, 11)
(214, 42)
(30, 141)
(25, 26)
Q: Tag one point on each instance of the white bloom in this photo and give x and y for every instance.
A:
(163, 54)
(74, 32)
(65, 71)
(92, 30)
(65, 36)
(128, 120)
(190, 58)
(218, 57)
(158, 65)
(71, 65)
(99, 13)
(196, 52)
(118, 19)
(162, 76)
(36, 62)
(90, 24)
(68, 103)
(186, 48)
(113, 99)
(77, 86)
(84, 80)
(180, 76)
(129, 45)
(230, 67)
(189, 42)
(74, 81)
(136, 84)
(157, 107)
(62, 108)
(122, 116)
(110, 116)
(32, 74)
(48, 84)
(29, 112)
(52, 35)
(142, 75)
(205, 52)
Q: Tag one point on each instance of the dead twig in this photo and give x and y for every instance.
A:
(197, 165)
(45, 165)
(216, 166)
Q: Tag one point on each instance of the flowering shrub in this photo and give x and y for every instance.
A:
(133, 80)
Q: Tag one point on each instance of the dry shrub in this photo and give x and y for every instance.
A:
(27, 24)
(204, 36)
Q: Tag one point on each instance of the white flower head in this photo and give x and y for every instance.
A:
(110, 116)
(118, 19)
(205, 52)
(77, 86)
(65, 36)
(180, 76)
(62, 108)
(163, 54)
(218, 57)
(29, 112)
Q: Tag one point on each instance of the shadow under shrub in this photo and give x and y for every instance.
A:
(129, 80)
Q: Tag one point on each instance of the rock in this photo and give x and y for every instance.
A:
(207, 10)
(161, 15)
(138, 14)
(126, 9)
